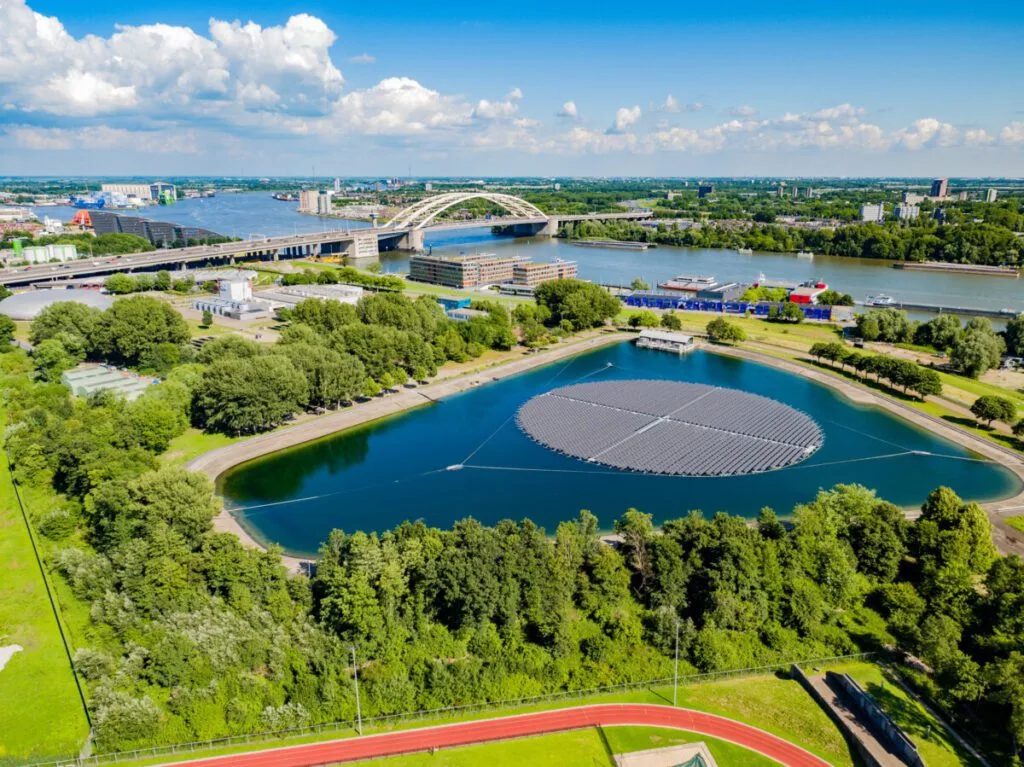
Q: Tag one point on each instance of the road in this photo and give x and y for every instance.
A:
(504, 728)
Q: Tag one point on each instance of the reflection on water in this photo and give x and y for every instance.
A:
(394, 470)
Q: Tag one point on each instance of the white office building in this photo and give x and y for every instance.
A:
(44, 254)
(991, 195)
(872, 213)
(905, 212)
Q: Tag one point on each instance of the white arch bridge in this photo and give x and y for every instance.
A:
(407, 228)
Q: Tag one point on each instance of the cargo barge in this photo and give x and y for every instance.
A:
(942, 266)
(620, 244)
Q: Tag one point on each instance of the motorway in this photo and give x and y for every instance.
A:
(523, 725)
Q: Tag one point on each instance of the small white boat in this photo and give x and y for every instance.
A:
(805, 254)
(881, 300)
(745, 251)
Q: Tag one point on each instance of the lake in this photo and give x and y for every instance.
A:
(376, 476)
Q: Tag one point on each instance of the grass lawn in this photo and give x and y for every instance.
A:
(775, 704)
(1017, 523)
(40, 711)
(624, 740)
(937, 749)
(579, 748)
(193, 442)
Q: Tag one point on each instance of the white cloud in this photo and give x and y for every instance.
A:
(743, 111)
(363, 58)
(926, 133)
(671, 104)
(978, 137)
(1013, 133)
(83, 93)
(569, 110)
(625, 117)
(396, 106)
(516, 94)
(839, 113)
(102, 138)
(494, 110)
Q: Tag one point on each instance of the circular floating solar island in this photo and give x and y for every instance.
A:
(670, 428)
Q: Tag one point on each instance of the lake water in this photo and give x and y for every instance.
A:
(253, 213)
(381, 474)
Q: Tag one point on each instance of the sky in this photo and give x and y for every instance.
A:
(535, 87)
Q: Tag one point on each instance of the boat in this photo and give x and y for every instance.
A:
(881, 300)
(745, 251)
(285, 197)
(88, 203)
(805, 254)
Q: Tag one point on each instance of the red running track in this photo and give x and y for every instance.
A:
(522, 725)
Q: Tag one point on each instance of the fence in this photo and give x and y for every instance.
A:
(866, 706)
(392, 720)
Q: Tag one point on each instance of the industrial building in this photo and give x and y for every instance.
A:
(233, 300)
(156, 191)
(39, 254)
(89, 379)
(463, 271)
(159, 233)
(689, 283)
(533, 273)
(289, 295)
(453, 302)
(465, 315)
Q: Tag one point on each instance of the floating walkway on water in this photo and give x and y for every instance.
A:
(670, 427)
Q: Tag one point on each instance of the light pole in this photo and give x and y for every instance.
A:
(675, 680)
(355, 679)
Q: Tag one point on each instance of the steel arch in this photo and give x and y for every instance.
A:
(420, 214)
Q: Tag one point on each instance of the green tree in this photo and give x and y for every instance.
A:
(722, 331)
(977, 349)
(7, 328)
(1014, 336)
(133, 326)
(246, 395)
(671, 321)
(639, 283)
(120, 284)
(645, 318)
(52, 359)
(207, 318)
(990, 407)
(940, 332)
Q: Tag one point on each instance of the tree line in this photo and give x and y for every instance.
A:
(903, 374)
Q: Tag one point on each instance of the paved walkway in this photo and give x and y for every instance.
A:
(504, 728)
(854, 724)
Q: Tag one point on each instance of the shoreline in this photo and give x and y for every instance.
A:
(216, 462)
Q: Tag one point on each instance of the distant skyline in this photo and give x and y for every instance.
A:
(460, 89)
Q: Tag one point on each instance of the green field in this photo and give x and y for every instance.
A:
(40, 711)
(1017, 523)
(580, 748)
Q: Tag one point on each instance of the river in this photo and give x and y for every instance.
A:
(379, 475)
(253, 213)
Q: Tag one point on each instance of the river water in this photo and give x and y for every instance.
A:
(376, 476)
(254, 213)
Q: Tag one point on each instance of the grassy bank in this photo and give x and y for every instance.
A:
(40, 711)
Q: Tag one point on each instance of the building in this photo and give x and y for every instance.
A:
(289, 295)
(28, 305)
(873, 213)
(465, 315)
(17, 215)
(463, 271)
(532, 274)
(961, 195)
(44, 254)
(807, 292)
(323, 203)
(307, 200)
(89, 379)
(991, 195)
(155, 191)
(689, 283)
(912, 198)
(453, 302)
(159, 233)
(511, 289)
(940, 188)
(907, 212)
(337, 185)
(665, 340)
(729, 291)
(428, 187)
(705, 189)
(670, 195)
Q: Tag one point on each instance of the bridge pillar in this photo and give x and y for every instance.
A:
(413, 240)
(550, 229)
(231, 260)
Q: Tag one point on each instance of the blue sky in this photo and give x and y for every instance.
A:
(544, 88)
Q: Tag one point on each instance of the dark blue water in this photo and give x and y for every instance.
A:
(379, 475)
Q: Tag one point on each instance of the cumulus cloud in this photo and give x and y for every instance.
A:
(362, 58)
(569, 111)
(101, 138)
(926, 133)
(625, 117)
(978, 137)
(397, 106)
(672, 105)
(515, 94)
(743, 111)
(1013, 133)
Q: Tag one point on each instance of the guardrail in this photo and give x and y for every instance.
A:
(389, 721)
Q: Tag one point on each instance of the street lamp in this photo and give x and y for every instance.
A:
(355, 680)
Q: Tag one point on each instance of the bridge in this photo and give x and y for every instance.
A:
(405, 231)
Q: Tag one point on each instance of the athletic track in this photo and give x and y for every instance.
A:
(480, 731)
